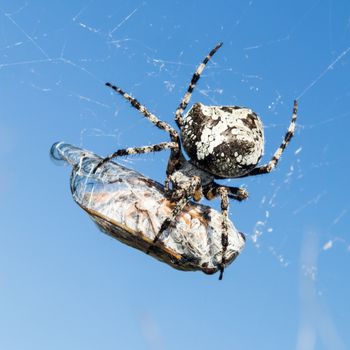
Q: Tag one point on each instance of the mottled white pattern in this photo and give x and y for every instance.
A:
(212, 136)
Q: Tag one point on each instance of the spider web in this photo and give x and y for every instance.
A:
(56, 59)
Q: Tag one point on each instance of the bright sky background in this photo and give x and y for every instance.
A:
(66, 285)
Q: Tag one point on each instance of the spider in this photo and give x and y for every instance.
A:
(221, 142)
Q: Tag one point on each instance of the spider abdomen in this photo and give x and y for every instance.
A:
(226, 141)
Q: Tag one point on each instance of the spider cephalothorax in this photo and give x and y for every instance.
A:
(226, 141)
(221, 142)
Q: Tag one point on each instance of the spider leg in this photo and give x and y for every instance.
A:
(237, 193)
(181, 197)
(151, 117)
(224, 236)
(183, 104)
(224, 192)
(266, 168)
(136, 150)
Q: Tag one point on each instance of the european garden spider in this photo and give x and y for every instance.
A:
(221, 142)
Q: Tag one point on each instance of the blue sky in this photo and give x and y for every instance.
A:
(64, 284)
